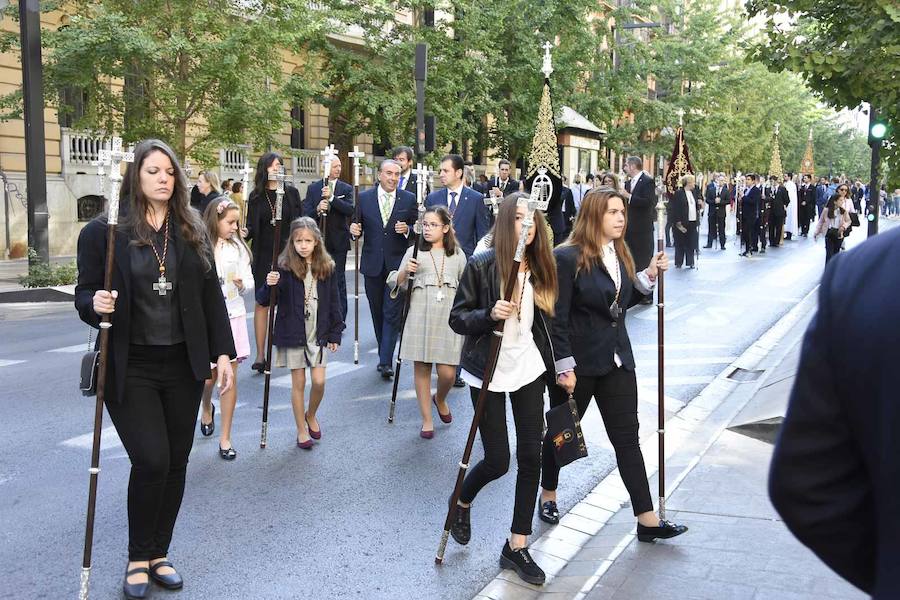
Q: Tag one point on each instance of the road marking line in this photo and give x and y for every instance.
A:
(683, 380)
(680, 346)
(7, 363)
(700, 360)
(650, 315)
(108, 439)
(71, 349)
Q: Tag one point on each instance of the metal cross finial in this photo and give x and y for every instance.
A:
(356, 155)
(328, 155)
(777, 126)
(422, 174)
(102, 161)
(278, 176)
(114, 157)
(547, 67)
(681, 117)
(810, 134)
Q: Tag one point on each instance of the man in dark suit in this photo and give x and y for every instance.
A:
(335, 201)
(716, 202)
(778, 214)
(386, 215)
(822, 195)
(835, 476)
(502, 184)
(750, 204)
(403, 156)
(468, 213)
(641, 193)
(807, 199)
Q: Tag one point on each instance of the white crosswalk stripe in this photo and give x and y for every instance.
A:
(7, 363)
(71, 349)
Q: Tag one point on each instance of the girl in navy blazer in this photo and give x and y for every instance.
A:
(597, 284)
(309, 319)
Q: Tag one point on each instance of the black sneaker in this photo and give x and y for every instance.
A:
(521, 562)
(461, 529)
(549, 513)
(665, 531)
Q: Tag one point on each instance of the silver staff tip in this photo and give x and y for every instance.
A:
(442, 547)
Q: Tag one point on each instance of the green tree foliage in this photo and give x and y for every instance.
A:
(848, 52)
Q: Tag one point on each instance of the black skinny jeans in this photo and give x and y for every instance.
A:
(617, 398)
(528, 414)
(155, 421)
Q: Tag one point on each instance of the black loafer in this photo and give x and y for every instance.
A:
(207, 429)
(461, 529)
(387, 372)
(459, 383)
(549, 513)
(259, 367)
(521, 562)
(173, 581)
(136, 591)
(665, 531)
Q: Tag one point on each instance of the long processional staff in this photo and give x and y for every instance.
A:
(597, 284)
(525, 355)
(169, 323)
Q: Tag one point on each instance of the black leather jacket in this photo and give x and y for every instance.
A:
(478, 291)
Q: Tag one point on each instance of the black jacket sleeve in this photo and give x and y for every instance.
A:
(335, 312)
(565, 269)
(343, 205)
(91, 269)
(644, 194)
(818, 480)
(467, 317)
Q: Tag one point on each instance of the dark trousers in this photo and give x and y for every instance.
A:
(804, 217)
(669, 227)
(528, 414)
(340, 269)
(749, 233)
(155, 421)
(762, 228)
(385, 316)
(716, 221)
(686, 244)
(642, 247)
(776, 229)
(832, 247)
(617, 397)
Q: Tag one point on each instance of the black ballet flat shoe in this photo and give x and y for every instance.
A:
(172, 581)
(459, 383)
(461, 529)
(521, 562)
(227, 453)
(136, 591)
(549, 513)
(386, 373)
(207, 429)
(665, 531)
(259, 367)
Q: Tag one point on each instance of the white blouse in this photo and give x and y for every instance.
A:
(233, 262)
(520, 362)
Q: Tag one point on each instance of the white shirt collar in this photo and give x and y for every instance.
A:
(458, 191)
(382, 192)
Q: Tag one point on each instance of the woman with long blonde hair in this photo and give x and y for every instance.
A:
(597, 284)
(525, 356)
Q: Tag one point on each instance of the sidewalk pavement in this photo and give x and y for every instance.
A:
(737, 546)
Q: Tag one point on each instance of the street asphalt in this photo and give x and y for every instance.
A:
(360, 516)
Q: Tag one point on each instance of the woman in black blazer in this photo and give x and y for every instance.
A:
(597, 284)
(169, 323)
(261, 233)
(687, 223)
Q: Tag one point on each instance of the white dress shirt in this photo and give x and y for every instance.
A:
(692, 205)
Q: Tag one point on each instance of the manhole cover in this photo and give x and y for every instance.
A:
(744, 375)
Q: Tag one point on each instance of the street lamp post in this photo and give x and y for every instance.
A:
(876, 133)
(35, 155)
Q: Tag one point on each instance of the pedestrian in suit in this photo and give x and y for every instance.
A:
(169, 322)
(834, 475)
(807, 197)
(336, 201)
(686, 210)
(750, 204)
(822, 195)
(598, 282)
(502, 184)
(716, 202)
(469, 215)
(777, 216)
(403, 155)
(640, 190)
(386, 215)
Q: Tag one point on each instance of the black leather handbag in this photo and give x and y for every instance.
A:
(90, 364)
(564, 429)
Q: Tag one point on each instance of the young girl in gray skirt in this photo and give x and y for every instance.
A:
(308, 321)
(427, 337)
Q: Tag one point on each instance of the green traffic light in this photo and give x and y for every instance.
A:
(878, 130)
